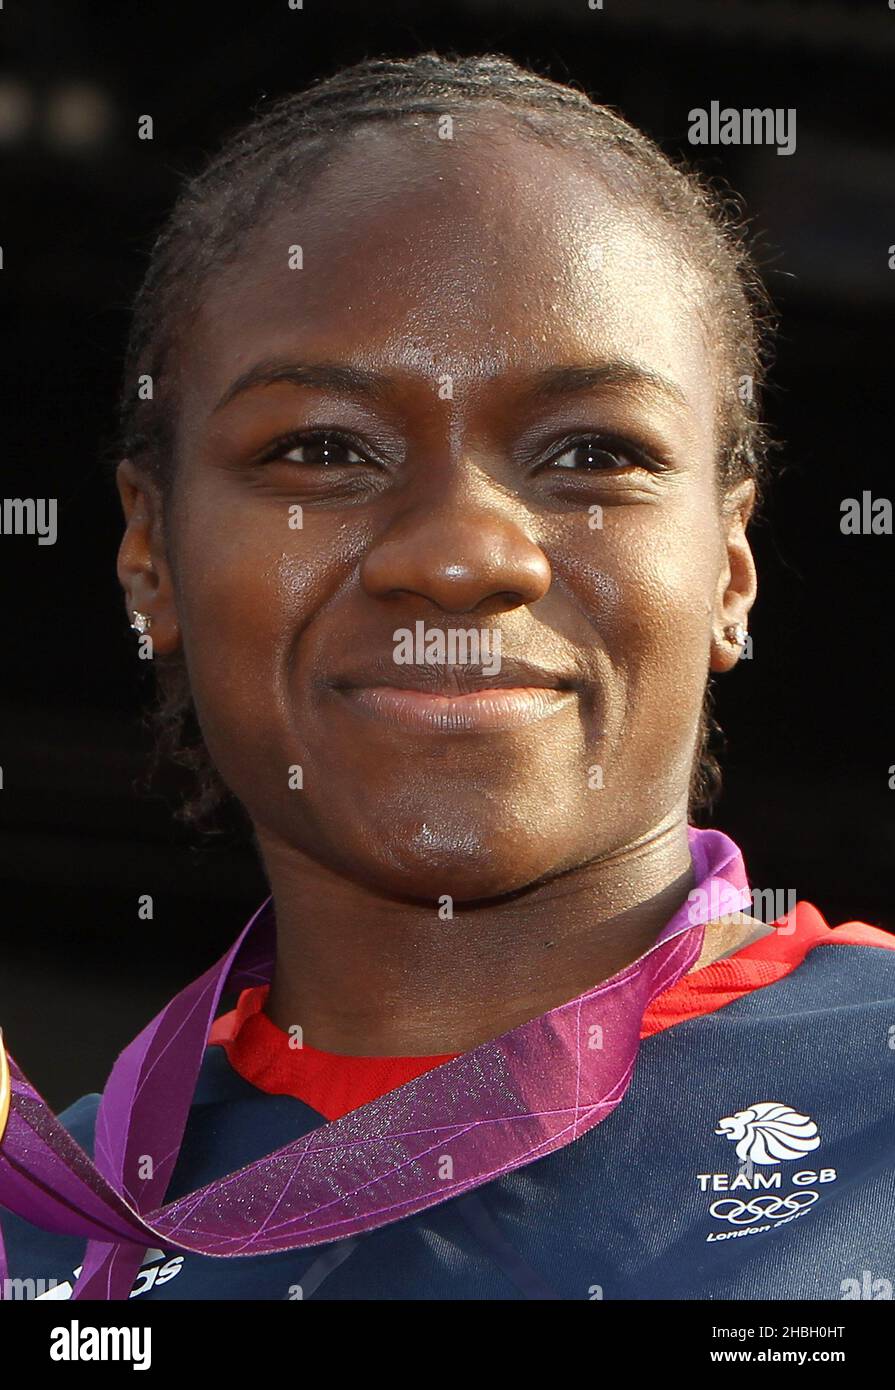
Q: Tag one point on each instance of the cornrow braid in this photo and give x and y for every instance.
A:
(290, 141)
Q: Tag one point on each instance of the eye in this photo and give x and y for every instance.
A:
(314, 449)
(599, 453)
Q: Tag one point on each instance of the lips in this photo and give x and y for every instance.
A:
(455, 699)
(483, 710)
(454, 679)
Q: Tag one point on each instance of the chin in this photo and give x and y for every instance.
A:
(429, 862)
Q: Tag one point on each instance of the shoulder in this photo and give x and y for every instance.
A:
(827, 967)
(853, 933)
(804, 932)
(787, 940)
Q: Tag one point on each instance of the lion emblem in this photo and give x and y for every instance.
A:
(769, 1132)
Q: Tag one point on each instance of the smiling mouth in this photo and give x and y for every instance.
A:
(484, 710)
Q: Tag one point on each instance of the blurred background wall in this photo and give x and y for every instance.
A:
(808, 720)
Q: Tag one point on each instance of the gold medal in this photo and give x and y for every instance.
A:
(5, 1088)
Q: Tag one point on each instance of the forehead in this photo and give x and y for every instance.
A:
(481, 254)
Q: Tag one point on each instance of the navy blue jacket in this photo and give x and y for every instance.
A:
(652, 1203)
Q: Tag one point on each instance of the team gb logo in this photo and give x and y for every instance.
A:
(770, 1132)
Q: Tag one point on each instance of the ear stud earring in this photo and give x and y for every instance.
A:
(735, 634)
(142, 623)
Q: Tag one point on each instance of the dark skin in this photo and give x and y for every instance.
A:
(471, 262)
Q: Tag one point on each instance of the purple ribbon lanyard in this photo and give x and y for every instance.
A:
(506, 1103)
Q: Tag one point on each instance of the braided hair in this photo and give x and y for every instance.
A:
(291, 140)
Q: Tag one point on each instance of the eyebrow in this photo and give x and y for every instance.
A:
(327, 376)
(550, 384)
(567, 381)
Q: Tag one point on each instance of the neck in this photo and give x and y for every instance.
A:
(369, 975)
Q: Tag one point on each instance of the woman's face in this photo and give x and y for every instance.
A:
(522, 447)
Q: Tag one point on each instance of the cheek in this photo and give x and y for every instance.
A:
(648, 580)
(248, 586)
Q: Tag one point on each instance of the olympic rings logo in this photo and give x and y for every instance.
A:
(761, 1208)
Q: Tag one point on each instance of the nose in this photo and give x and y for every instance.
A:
(458, 556)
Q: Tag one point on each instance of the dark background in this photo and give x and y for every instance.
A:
(808, 719)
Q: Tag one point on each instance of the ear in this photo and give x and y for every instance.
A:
(143, 568)
(737, 582)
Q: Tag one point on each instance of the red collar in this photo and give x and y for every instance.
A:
(333, 1084)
